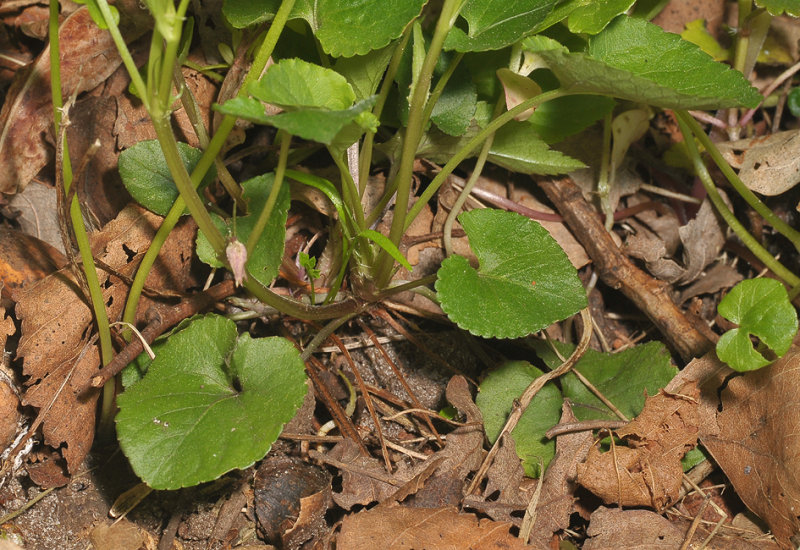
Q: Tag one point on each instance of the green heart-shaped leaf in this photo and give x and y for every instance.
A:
(495, 24)
(626, 377)
(519, 148)
(318, 103)
(294, 84)
(209, 403)
(592, 17)
(761, 308)
(525, 282)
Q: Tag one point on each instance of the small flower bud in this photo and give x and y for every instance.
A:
(236, 252)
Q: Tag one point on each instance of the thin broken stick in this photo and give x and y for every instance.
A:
(159, 319)
(521, 404)
(651, 296)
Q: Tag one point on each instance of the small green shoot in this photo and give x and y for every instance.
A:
(309, 263)
(762, 309)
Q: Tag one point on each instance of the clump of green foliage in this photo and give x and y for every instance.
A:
(498, 81)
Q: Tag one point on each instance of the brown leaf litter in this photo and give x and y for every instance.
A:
(751, 429)
(560, 482)
(401, 528)
(612, 528)
(648, 471)
(25, 259)
(701, 241)
(769, 165)
(364, 479)
(88, 57)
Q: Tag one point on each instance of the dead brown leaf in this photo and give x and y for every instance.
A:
(36, 212)
(507, 488)
(401, 528)
(648, 471)
(58, 354)
(755, 439)
(631, 529)
(24, 259)
(99, 186)
(9, 403)
(461, 456)
(702, 240)
(133, 123)
(32, 21)
(641, 529)
(88, 57)
(122, 535)
(769, 165)
(719, 276)
(7, 328)
(364, 479)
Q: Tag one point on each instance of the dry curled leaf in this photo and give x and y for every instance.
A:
(769, 165)
(702, 239)
(7, 327)
(648, 471)
(640, 529)
(364, 480)
(631, 529)
(25, 259)
(10, 416)
(507, 489)
(558, 487)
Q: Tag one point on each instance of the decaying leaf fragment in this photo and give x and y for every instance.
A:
(24, 259)
(702, 239)
(769, 165)
(629, 529)
(59, 354)
(646, 472)
(401, 528)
